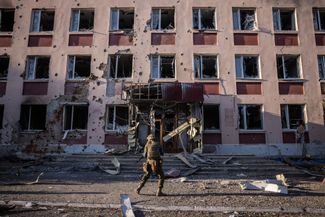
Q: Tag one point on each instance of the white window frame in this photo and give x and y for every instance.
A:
(242, 67)
(238, 20)
(159, 65)
(245, 118)
(72, 27)
(30, 75)
(74, 68)
(36, 20)
(201, 66)
(321, 58)
(298, 62)
(116, 26)
(277, 19)
(114, 117)
(72, 116)
(200, 17)
(159, 19)
(116, 66)
(288, 118)
(29, 119)
(316, 12)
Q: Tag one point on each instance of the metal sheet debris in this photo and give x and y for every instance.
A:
(227, 161)
(184, 160)
(126, 206)
(271, 185)
(172, 173)
(117, 165)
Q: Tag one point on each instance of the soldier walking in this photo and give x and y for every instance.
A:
(153, 152)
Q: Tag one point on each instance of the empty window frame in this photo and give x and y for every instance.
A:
(284, 19)
(122, 19)
(205, 67)
(250, 117)
(82, 20)
(117, 118)
(247, 67)
(244, 19)
(37, 67)
(211, 117)
(288, 67)
(319, 19)
(162, 19)
(321, 67)
(324, 112)
(291, 115)
(42, 20)
(78, 67)
(7, 17)
(120, 66)
(1, 115)
(204, 19)
(4, 66)
(33, 117)
(75, 117)
(162, 66)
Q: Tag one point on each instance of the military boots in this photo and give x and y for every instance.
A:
(160, 193)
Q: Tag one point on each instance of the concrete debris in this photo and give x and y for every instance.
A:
(117, 165)
(30, 204)
(113, 151)
(172, 173)
(181, 179)
(276, 188)
(283, 179)
(227, 161)
(266, 185)
(126, 206)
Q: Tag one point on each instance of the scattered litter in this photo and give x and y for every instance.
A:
(36, 181)
(65, 134)
(172, 173)
(27, 183)
(30, 204)
(183, 179)
(182, 158)
(126, 206)
(271, 185)
(276, 188)
(117, 165)
(60, 210)
(283, 179)
(235, 214)
(241, 175)
(229, 159)
(43, 208)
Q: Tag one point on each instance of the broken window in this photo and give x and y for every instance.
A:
(120, 66)
(162, 66)
(117, 118)
(247, 67)
(7, 17)
(33, 117)
(162, 19)
(122, 19)
(211, 117)
(244, 19)
(324, 112)
(205, 67)
(42, 20)
(37, 67)
(292, 115)
(75, 117)
(204, 18)
(4, 65)
(319, 19)
(321, 67)
(284, 19)
(82, 20)
(288, 67)
(1, 116)
(250, 117)
(78, 67)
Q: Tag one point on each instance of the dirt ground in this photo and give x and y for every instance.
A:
(220, 197)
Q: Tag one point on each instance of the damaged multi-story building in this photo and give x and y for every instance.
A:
(229, 77)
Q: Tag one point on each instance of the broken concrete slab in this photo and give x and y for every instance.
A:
(266, 185)
(126, 206)
(276, 188)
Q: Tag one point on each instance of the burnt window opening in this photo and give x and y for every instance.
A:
(33, 117)
(120, 66)
(211, 117)
(7, 20)
(247, 67)
(122, 19)
(324, 112)
(205, 67)
(1, 115)
(75, 117)
(82, 20)
(4, 66)
(37, 67)
(162, 66)
(288, 67)
(292, 115)
(163, 19)
(319, 19)
(42, 20)
(321, 67)
(250, 117)
(78, 67)
(117, 118)
(204, 19)
(284, 20)
(244, 19)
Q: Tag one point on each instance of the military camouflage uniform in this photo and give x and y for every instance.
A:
(152, 151)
